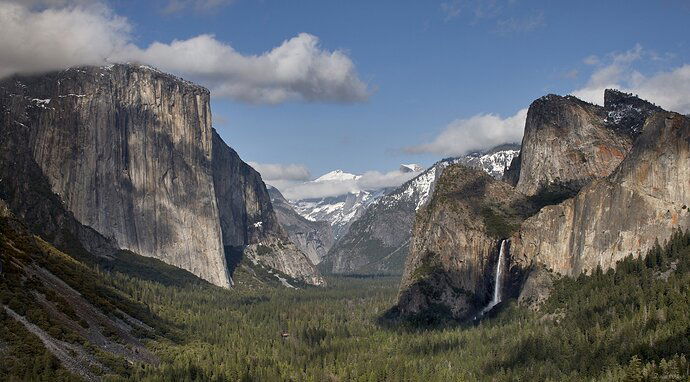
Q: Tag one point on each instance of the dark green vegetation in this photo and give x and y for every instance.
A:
(630, 323)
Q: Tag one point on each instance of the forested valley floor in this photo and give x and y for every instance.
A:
(629, 324)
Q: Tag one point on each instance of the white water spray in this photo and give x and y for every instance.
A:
(497, 282)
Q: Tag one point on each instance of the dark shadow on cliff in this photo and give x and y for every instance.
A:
(552, 194)
(27, 192)
(233, 257)
(423, 304)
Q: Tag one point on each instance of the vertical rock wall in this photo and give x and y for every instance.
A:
(128, 149)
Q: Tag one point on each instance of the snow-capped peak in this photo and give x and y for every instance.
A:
(337, 175)
(413, 167)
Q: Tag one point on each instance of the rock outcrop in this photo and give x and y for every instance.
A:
(314, 238)
(247, 218)
(124, 156)
(625, 188)
(626, 112)
(567, 143)
(455, 246)
(642, 201)
(128, 150)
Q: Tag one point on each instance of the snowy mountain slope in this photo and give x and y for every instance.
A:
(314, 238)
(337, 175)
(377, 241)
(340, 211)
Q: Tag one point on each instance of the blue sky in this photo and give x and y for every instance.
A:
(429, 67)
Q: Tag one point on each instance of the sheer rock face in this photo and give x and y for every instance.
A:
(128, 150)
(247, 217)
(245, 211)
(453, 253)
(567, 142)
(314, 238)
(643, 200)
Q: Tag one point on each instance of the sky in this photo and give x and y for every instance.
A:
(300, 88)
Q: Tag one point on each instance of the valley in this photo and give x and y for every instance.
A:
(456, 274)
(264, 332)
(431, 191)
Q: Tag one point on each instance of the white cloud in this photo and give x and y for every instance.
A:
(520, 24)
(480, 132)
(272, 171)
(55, 38)
(298, 69)
(174, 6)
(669, 89)
(56, 34)
(370, 180)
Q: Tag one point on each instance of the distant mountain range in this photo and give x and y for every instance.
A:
(377, 242)
(387, 211)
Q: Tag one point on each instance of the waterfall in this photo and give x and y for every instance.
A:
(497, 281)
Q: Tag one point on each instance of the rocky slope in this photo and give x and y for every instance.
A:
(54, 306)
(129, 151)
(641, 202)
(378, 242)
(314, 238)
(568, 142)
(339, 211)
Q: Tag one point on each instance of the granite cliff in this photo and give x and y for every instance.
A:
(131, 157)
(642, 201)
(454, 247)
(592, 185)
(247, 218)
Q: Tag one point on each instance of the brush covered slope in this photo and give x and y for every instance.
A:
(129, 150)
(62, 317)
(378, 242)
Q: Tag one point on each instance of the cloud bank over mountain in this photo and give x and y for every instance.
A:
(293, 180)
(90, 33)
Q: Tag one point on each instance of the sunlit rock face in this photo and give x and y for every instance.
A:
(642, 201)
(566, 143)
